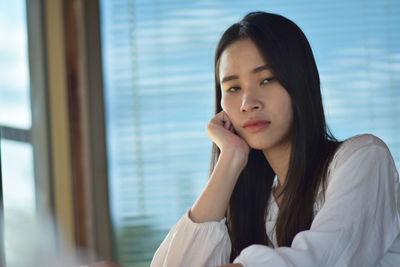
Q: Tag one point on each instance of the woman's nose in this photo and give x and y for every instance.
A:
(250, 103)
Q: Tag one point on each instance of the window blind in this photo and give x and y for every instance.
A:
(159, 96)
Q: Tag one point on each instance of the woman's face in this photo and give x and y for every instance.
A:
(249, 91)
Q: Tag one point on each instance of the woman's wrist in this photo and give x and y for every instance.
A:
(237, 158)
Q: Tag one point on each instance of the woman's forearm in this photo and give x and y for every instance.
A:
(213, 201)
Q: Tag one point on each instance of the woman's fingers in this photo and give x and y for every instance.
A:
(222, 119)
(227, 124)
(222, 132)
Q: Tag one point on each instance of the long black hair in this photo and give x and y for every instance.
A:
(287, 51)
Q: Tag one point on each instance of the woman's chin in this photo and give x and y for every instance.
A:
(259, 145)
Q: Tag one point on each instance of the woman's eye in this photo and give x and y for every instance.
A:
(233, 89)
(267, 80)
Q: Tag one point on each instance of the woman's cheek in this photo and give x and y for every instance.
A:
(223, 104)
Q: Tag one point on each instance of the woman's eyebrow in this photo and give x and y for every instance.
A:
(229, 78)
(261, 68)
(254, 71)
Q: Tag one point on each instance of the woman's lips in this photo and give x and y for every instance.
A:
(254, 126)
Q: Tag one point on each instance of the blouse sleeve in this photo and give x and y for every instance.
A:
(355, 226)
(194, 244)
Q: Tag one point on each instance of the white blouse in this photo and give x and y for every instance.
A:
(358, 223)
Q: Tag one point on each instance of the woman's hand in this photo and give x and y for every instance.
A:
(222, 133)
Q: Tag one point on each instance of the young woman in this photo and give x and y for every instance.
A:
(282, 190)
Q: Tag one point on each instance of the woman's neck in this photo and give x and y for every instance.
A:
(278, 158)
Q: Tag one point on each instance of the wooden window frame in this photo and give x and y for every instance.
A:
(68, 128)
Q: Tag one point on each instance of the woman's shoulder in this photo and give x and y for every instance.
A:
(359, 151)
(352, 145)
(363, 140)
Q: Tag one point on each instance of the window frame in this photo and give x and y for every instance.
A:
(52, 135)
(37, 134)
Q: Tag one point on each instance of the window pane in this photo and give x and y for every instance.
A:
(158, 69)
(14, 76)
(19, 201)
